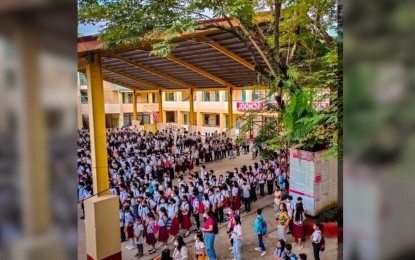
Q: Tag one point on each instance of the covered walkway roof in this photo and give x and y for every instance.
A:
(202, 60)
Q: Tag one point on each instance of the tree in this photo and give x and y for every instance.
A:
(297, 57)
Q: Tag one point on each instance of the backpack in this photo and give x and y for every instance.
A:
(155, 228)
(264, 226)
(201, 208)
(322, 244)
(215, 227)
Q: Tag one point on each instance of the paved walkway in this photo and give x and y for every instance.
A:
(221, 246)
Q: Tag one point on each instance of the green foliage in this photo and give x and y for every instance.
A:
(334, 214)
(306, 63)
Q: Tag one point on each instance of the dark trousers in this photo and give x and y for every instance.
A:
(83, 209)
(261, 243)
(223, 153)
(220, 212)
(253, 193)
(140, 249)
(171, 172)
(216, 214)
(316, 251)
(247, 203)
(197, 161)
(261, 189)
(230, 234)
(123, 238)
(270, 186)
(197, 219)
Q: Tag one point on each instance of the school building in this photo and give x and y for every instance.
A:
(210, 107)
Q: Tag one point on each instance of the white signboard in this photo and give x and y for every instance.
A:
(314, 179)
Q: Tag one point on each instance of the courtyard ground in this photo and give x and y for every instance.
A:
(221, 244)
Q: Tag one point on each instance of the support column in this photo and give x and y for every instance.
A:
(121, 118)
(134, 105)
(199, 121)
(191, 107)
(222, 124)
(160, 99)
(230, 107)
(103, 239)
(79, 103)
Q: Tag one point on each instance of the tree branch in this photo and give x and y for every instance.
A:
(277, 14)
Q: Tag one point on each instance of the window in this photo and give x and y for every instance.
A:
(170, 96)
(82, 79)
(128, 119)
(206, 96)
(144, 119)
(123, 98)
(243, 95)
(256, 95)
(154, 97)
(185, 96)
(210, 96)
(211, 119)
(185, 120)
(84, 96)
(130, 98)
(170, 117)
(226, 96)
(269, 97)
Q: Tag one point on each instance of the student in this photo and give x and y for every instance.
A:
(290, 254)
(282, 222)
(277, 199)
(303, 256)
(173, 212)
(200, 247)
(150, 237)
(122, 219)
(270, 180)
(280, 253)
(129, 229)
(209, 234)
(165, 255)
(163, 235)
(180, 249)
(290, 210)
(198, 208)
(236, 237)
(185, 209)
(246, 196)
(316, 239)
(258, 230)
(298, 220)
(231, 225)
(139, 236)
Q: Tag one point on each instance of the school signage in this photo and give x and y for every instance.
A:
(248, 106)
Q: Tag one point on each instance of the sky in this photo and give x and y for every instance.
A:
(86, 30)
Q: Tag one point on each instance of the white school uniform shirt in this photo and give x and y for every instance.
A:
(172, 210)
(123, 196)
(238, 230)
(196, 205)
(290, 208)
(139, 228)
(206, 204)
(235, 191)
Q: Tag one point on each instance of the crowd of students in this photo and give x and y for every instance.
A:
(154, 208)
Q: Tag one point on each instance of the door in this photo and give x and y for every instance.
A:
(243, 95)
(226, 121)
(185, 120)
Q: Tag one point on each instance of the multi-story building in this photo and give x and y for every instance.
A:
(210, 107)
